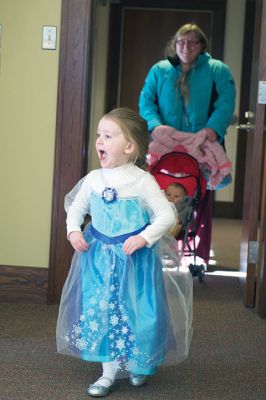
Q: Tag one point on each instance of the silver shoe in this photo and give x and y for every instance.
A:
(137, 379)
(98, 390)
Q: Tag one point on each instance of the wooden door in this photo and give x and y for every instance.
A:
(138, 49)
(260, 131)
(71, 145)
(260, 301)
(139, 31)
(254, 198)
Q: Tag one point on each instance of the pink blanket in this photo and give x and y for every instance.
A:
(211, 156)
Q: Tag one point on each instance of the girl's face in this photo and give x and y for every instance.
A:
(188, 48)
(112, 147)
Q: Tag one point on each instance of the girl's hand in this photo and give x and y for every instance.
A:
(78, 242)
(132, 244)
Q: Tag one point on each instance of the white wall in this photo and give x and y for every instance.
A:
(234, 35)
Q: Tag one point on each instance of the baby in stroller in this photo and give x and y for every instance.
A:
(177, 194)
(180, 171)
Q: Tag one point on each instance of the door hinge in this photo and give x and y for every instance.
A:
(253, 252)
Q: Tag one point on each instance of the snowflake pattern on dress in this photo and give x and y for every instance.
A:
(105, 318)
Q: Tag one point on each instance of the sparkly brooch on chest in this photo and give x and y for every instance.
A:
(109, 194)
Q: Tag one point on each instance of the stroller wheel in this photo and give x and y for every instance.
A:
(201, 273)
(193, 269)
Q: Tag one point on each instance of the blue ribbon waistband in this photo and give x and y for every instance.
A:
(116, 239)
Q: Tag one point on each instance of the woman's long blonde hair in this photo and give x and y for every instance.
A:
(170, 53)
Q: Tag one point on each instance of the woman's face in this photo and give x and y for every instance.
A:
(188, 48)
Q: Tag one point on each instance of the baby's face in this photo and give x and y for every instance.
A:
(174, 194)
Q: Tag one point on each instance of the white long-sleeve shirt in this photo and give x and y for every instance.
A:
(129, 181)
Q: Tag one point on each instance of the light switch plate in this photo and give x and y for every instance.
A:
(49, 37)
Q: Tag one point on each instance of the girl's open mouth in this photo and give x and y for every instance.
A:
(102, 155)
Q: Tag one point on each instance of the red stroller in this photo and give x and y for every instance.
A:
(179, 167)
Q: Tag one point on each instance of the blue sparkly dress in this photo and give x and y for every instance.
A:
(132, 310)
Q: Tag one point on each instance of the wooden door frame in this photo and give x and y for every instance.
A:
(72, 129)
(254, 197)
(260, 302)
(245, 142)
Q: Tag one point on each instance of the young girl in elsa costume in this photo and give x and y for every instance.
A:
(127, 302)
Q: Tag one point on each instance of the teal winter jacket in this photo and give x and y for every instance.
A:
(211, 96)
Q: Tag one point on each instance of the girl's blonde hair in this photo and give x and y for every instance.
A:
(135, 130)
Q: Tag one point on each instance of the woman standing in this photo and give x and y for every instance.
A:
(192, 92)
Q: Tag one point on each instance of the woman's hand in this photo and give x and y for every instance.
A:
(211, 135)
(77, 241)
(132, 244)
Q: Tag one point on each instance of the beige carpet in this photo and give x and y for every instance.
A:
(226, 237)
(226, 359)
